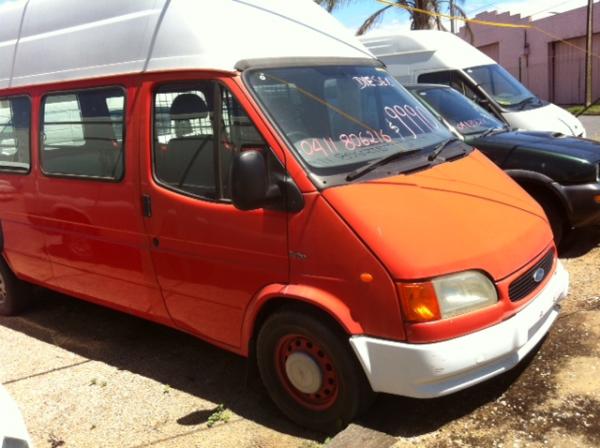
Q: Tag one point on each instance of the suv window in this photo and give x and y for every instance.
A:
(453, 79)
(197, 130)
(83, 134)
(15, 125)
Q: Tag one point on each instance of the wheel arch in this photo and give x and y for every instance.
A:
(531, 180)
(303, 298)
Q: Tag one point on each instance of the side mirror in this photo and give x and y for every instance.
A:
(249, 180)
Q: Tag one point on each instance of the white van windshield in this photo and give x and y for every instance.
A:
(503, 87)
(338, 118)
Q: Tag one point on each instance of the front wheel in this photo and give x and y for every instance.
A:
(310, 371)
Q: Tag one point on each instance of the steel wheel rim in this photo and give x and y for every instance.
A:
(303, 347)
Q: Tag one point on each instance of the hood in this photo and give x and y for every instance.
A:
(460, 215)
(553, 143)
(549, 118)
(562, 158)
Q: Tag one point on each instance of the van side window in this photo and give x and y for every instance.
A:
(197, 130)
(15, 125)
(453, 79)
(83, 134)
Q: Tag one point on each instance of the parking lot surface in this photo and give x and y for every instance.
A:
(86, 376)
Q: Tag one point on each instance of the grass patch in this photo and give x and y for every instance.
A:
(594, 110)
(220, 414)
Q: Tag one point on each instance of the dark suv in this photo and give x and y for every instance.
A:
(560, 172)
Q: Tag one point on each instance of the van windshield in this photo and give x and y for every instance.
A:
(503, 87)
(462, 113)
(339, 118)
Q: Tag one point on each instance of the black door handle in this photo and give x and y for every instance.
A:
(147, 205)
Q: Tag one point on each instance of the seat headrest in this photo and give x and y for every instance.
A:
(188, 106)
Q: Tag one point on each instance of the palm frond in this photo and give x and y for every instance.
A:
(372, 20)
(330, 5)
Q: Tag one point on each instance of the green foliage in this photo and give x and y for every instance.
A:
(418, 21)
(220, 414)
(593, 110)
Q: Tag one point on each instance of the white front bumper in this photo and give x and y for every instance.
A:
(432, 370)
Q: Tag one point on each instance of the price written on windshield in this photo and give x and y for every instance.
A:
(406, 120)
(345, 142)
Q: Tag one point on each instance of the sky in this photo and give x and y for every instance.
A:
(355, 12)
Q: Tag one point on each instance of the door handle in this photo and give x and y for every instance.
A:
(146, 205)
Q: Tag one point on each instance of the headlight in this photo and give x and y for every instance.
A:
(447, 296)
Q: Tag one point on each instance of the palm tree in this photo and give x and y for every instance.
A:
(419, 21)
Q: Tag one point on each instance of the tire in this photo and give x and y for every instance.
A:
(554, 214)
(13, 294)
(320, 361)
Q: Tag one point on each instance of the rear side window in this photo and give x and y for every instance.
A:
(15, 124)
(83, 134)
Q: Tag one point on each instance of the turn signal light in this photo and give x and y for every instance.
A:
(419, 302)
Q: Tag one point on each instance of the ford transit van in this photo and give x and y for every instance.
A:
(249, 173)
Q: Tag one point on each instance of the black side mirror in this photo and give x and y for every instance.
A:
(249, 180)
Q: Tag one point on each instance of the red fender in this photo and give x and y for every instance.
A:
(316, 297)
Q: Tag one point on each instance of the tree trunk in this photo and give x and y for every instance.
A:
(422, 21)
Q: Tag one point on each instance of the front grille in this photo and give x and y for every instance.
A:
(526, 284)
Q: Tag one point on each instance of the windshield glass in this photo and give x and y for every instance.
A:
(502, 86)
(338, 118)
(462, 113)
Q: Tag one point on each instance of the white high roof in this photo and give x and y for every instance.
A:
(52, 40)
(438, 48)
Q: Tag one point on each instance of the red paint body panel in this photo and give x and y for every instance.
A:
(454, 217)
(211, 258)
(330, 257)
(213, 267)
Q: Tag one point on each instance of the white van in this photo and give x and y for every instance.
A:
(440, 57)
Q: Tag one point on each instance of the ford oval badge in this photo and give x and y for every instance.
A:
(538, 275)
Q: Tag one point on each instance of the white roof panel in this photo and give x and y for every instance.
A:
(73, 39)
(437, 48)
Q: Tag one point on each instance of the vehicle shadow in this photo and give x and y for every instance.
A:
(579, 242)
(410, 417)
(202, 370)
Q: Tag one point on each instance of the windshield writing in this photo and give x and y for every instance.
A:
(462, 113)
(340, 117)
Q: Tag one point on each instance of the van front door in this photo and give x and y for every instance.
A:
(210, 258)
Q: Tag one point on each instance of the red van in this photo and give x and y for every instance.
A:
(264, 184)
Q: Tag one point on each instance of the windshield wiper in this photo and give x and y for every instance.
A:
(359, 172)
(492, 131)
(521, 104)
(439, 148)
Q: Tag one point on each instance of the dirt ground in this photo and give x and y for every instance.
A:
(85, 376)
